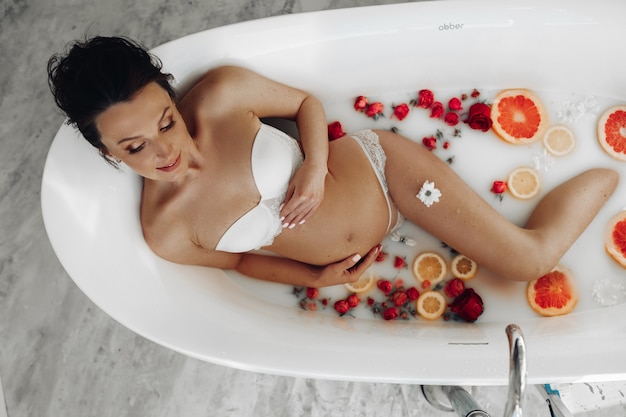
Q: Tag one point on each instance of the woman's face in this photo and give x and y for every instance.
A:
(148, 134)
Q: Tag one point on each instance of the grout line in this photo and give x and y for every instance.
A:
(3, 404)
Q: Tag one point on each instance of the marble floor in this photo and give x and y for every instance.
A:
(60, 355)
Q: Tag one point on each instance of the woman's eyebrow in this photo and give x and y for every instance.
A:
(138, 136)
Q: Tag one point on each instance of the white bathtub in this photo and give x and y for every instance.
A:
(566, 49)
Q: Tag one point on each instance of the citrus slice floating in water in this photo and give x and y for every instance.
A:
(612, 132)
(518, 116)
(365, 282)
(615, 238)
(553, 294)
(431, 305)
(559, 140)
(431, 267)
(463, 267)
(524, 183)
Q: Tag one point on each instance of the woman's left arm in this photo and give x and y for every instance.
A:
(263, 97)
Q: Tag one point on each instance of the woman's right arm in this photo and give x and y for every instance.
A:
(267, 267)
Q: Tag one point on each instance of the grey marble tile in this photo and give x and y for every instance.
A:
(60, 355)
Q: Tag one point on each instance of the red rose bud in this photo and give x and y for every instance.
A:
(341, 306)
(360, 104)
(401, 111)
(479, 117)
(454, 288)
(399, 283)
(353, 300)
(384, 285)
(312, 293)
(425, 98)
(399, 262)
(390, 313)
(475, 93)
(399, 298)
(381, 256)
(455, 104)
(335, 131)
(498, 187)
(374, 110)
(469, 306)
(430, 142)
(446, 145)
(436, 111)
(370, 301)
(412, 293)
(451, 119)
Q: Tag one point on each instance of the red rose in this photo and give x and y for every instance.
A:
(335, 131)
(412, 293)
(469, 306)
(454, 288)
(451, 119)
(479, 117)
(425, 98)
(374, 110)
(475, 93)
(498, 187)
(370, 301)
(390, 313)
(381, 256)
(401, 111)
(312, 293)
(353, 300)
(399, 262)
(384, 285)
(360, 104)
(436, 111)
(446, 145)
(342, 307)
(455, 104)
(399, 298)
(430, 142)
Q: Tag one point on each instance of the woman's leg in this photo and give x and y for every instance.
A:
(467, 223)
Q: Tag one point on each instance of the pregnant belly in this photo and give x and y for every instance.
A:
(353, 217)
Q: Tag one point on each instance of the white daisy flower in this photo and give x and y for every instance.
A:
(429, 194)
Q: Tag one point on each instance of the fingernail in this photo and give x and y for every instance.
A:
(356, 258)
(292, 225)
(285, 225)
(302, 221)
(282, 218)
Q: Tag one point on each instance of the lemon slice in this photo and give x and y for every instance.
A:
(524, 183)
(559, 140)
(431, 305)
(463, 267)
(364, 283)
(431, 267)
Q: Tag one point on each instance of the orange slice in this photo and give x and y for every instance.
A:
(364, 283)
(524, 183)
(612, 132)
(431, 267)
(431, 305)
(463, 267)
(553, 294)
(615, 238)
(518, 116)
(559, 140)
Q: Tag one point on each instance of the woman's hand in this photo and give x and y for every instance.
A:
(348, 270)
(304, 194)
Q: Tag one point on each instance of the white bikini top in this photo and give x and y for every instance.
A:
(275, 158)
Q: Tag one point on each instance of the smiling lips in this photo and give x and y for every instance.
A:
(172, 166)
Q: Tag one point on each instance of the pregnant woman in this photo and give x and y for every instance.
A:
(219, 183)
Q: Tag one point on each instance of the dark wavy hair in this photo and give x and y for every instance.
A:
(98, 73)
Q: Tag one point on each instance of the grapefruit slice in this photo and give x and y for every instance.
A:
(518, 116)
(553, 294)
(431, 305)
(615, 238)
(429, 267)
(612, 132)
(364, 283)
